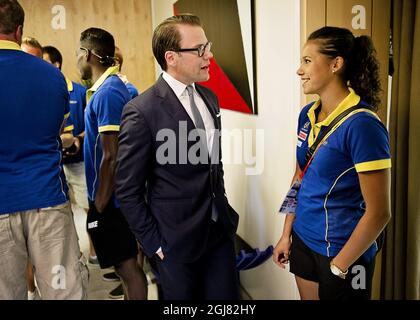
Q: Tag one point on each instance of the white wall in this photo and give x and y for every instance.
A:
(258, 197)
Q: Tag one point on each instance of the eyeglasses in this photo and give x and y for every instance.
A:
(87, 51)
(200, 49)
(78, 51)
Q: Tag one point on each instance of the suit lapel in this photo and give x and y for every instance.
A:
(170, 102)
(209, 104)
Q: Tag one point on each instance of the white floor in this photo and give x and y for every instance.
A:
(98, 288)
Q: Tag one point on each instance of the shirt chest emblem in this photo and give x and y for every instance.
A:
(302, 135)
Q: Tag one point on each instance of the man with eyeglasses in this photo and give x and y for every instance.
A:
(114, 243)
(169, 178)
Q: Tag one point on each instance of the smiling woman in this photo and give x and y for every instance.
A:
(343, 162)
(317, 70)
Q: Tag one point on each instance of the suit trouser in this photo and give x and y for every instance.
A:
(48, 238)
(212, 277)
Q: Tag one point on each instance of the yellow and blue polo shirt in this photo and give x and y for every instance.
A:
(77, 103)
(106, 100)
(132, 90)
(330, 202)
(76, 121)
(33, 103)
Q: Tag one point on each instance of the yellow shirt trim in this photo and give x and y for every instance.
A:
(66, 115)
(351, 100)
(109, 128)
(9, 45)
(69, 85)
(373, 165)
(110, 71)
(69, 128)
(341, 121)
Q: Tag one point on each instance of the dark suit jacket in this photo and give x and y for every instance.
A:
(168, 205)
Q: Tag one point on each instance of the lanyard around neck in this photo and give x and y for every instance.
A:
(322, 136)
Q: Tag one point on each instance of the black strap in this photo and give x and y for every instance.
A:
(321, 136)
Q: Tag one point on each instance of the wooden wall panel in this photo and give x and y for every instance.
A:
(339, 14)
(313, 17)
(315, 9)
(129, 21)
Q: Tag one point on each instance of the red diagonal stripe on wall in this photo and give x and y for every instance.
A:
(229, 97)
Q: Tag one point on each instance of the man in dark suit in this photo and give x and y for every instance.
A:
(169, 178)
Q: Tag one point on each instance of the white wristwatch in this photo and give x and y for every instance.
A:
(337, 271)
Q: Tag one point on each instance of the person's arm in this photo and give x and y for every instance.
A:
(282, 249)
(76, 141)
(67, 139)
(66, 129)
(375, 187)
(66, 134)
(109, 143)
(134, 164)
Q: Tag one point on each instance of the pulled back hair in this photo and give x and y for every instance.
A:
(361, 68)
(11, 16)
(166, 36)
(54, 54)
(101, 42)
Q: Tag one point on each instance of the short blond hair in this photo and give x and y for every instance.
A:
(32, 42)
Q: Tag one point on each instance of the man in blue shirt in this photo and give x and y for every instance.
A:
(35, 217)
(111, 276)
(114, 243)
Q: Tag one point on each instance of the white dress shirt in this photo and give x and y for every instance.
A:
(180, 90)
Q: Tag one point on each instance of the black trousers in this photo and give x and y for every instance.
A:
(212, 277)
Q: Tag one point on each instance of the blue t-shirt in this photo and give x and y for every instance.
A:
(132, 90)
(33, 103)
(76, 121)
(103, 114)
(330, 202)
(77, 108)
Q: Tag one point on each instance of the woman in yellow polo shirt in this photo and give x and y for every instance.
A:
(343, 200)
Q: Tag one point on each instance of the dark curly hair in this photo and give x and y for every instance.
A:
(361, 68)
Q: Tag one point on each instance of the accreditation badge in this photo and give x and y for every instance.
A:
(290, 202)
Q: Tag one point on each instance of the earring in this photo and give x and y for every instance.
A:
(333, 71)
